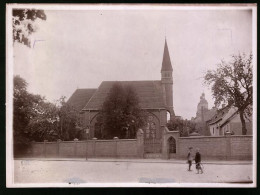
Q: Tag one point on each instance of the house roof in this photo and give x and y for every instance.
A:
(148, 92)
(80, 98)
(229, 117)
(219, 115)
(166, 63)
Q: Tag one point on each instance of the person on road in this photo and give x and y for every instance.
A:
(198, 161)
(189, 158)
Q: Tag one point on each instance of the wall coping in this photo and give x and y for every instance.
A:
(201, 137)
(98, 140)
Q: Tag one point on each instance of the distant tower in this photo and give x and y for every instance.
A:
(167, 81)
(202, 106)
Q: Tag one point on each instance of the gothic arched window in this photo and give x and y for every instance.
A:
(150, 131)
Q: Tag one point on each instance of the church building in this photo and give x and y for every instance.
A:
(203, 114)
(155, 97)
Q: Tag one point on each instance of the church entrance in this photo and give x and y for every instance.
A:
(152, 144)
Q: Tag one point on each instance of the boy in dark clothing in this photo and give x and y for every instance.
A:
(189, 158)
(198, 161)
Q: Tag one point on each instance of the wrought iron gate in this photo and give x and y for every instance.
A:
(152, 144)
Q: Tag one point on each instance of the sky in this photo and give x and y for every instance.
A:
(80, 49)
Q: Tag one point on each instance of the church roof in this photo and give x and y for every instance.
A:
(148, 92)
(80, 98)
(166, 63)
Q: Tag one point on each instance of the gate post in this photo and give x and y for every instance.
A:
(164, 144)
(140, 143)
(166, 135)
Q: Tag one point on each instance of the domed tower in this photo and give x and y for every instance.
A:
(167, 81)
(202, 105)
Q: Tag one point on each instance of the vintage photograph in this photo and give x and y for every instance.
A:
(119, 95)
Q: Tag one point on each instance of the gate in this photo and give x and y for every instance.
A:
(152, 144)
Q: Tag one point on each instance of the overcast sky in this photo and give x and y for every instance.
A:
(80, 49)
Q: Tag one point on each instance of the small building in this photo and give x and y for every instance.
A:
(227, 119)
(215, 122)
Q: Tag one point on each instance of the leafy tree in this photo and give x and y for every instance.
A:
(121, 114)
(231, 83)
(183, 126)
(23, 104)
(24, 24)
(44, 125)
(69, 121)
(36, 119)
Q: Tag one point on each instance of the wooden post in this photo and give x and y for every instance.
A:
(94, 147)
(44, 147)
(75, 147)
(116, 140)
(58, 147)
(86, 148)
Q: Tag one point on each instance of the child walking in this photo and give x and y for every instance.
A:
(198, 161)
(189, 158)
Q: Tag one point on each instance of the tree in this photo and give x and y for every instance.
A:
(44, 125)
(183, 126)
(35, 119)
(23, 104)
(24, 24)
(121, 114)
(69, 120)
(231, 83)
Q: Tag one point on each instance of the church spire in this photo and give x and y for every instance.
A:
(167, 80)
(166, 63)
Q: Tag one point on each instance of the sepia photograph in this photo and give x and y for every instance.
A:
(141, 95)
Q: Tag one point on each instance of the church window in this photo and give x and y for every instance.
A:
(168, 116)
(150, 131)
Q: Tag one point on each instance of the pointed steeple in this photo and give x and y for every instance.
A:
(166, 63)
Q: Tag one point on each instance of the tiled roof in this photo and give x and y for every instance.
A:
(219, 115)
(231, 114)
(80, 98)
(166, 63)
(148, 92)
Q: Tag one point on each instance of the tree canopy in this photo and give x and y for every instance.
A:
(35, 119)
(24, 24)
(23, 104)
(231, 83)
(69, 121)
(183, 126)
(121, 114)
